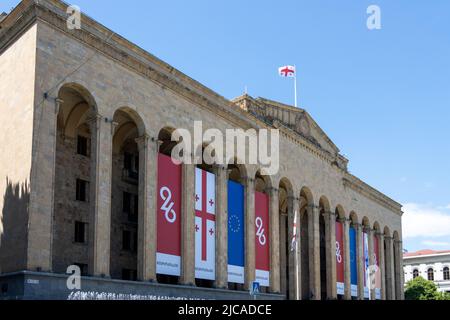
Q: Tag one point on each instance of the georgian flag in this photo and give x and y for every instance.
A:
(287, 71)
(205, 225)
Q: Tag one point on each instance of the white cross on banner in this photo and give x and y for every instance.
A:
(205, 225)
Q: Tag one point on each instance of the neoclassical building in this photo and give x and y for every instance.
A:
(432, 265)
(86, 119)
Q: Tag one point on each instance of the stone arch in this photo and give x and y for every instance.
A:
(238, 173)
(72, 208)
(340, 212)
(285, 203)
(125, 197)
(353, 217)
(306, 204)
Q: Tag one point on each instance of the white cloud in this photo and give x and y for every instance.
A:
(432, 243)
(425, 221)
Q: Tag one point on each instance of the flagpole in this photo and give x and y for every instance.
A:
(295, 86)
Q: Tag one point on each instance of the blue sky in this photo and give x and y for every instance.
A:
(382, 96)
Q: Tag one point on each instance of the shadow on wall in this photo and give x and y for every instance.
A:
(14, 223)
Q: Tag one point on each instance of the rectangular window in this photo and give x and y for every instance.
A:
(81, 192)
(83, 268)
(129, 274)
(82, 146)
(126, 240)
(128, 161)
(133, 214)
(126, 203)
(80, 232)
(135, 242)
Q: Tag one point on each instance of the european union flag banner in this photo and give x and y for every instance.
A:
(236, 224)
(353, 263)
(262, 243)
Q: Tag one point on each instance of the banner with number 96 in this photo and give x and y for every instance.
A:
(168, 210)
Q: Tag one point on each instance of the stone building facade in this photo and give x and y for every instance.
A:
(85, 114)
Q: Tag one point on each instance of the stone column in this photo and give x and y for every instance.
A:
(382, 265)
(398, 270)
(221, 227)
(249, 232)
(347, 267)
(42, 186)
(360, 260)
(390, 286)
(330, 240)
(274, 242)
(370, 234)
(187, 225)
(148, 161)
(100, 185)
(314, 250)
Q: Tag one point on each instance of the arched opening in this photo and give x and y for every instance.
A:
(365, 256)
(430, 274)
(205, 230)
(446, 272)
(324, 207)
(340, 252)
(388, 265)
(377, 260)
(166, 146)
(285, 234)
(306, 201)
(72, 195)
(353, 256)
(125, 195)
(237, 174)
(397, 266)
(415, 273)
(262, 237)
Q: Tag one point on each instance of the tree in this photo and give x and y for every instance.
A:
(421, 289)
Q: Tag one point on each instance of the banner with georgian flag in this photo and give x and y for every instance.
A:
(366, 266)
(205, 225)
(262, 243)
(168, 220)
(287, 71)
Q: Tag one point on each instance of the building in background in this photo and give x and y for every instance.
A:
(428, 264)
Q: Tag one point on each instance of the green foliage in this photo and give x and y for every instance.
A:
(421, 289)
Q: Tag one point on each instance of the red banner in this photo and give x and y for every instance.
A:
(376, 249)
(262, 239)
(340, 257)
(168, 217)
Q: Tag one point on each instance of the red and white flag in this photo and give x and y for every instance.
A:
(287, 71)
(205, 225)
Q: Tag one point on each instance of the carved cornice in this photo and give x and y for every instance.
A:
(363, 188)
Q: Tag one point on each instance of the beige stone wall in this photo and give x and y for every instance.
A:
(17, 70)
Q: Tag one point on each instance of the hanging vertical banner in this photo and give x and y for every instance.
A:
(366, 266)
(262, 243)
(205, 225)
(236, 225)
(353, 263)
(376, 254)
(340, 258)
(168, 255)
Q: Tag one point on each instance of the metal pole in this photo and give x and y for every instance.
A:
(295, 86)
